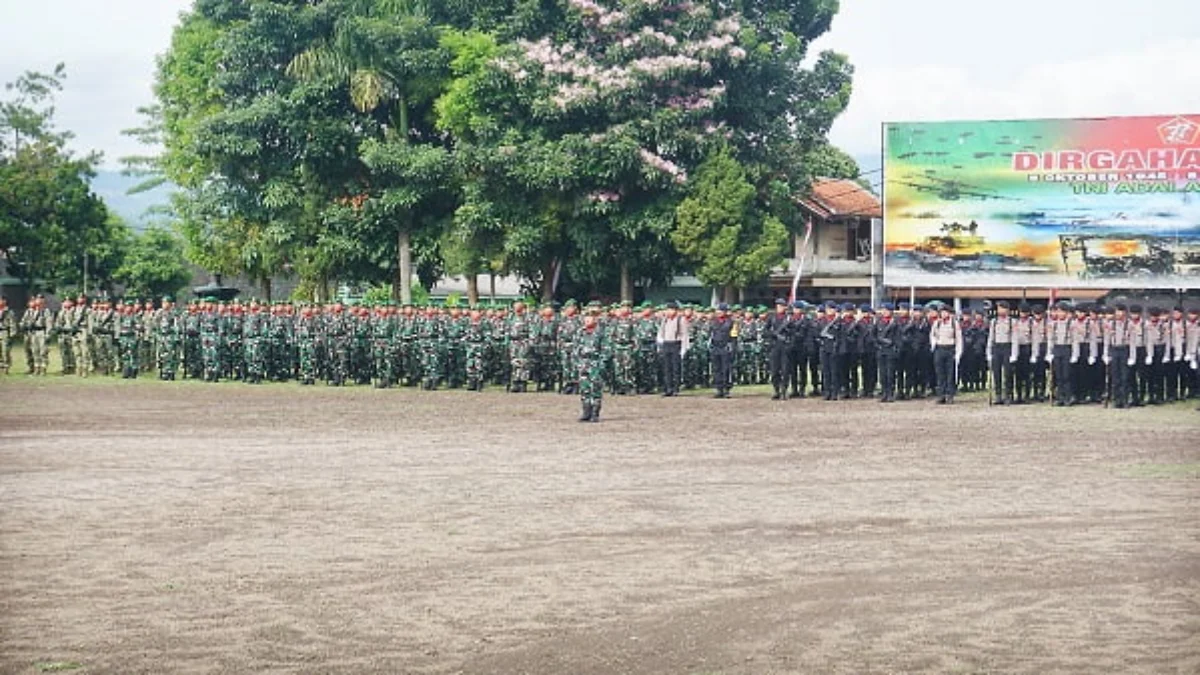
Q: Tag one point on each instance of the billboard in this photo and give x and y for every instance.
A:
(1099, 203)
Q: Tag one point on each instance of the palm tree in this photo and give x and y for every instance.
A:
(388, 53)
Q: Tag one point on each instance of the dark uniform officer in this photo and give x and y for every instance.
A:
(777, 333)
(887, 351)
(722, 340)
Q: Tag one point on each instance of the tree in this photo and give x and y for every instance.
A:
(720, 229)
(49, 216)
(266, 161)
(388, 54)
(154, 265)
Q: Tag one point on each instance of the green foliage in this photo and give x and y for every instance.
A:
(377, 295)
(347, 140)
(154, 265)
(49, 217)
(719, 229)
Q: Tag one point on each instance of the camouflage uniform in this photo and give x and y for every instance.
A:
(429, 338)
(544, 331)
(409, 356)
(337, 343)
(82, 338)
(128, 329)
(146, 338)
(63, 327)
(476, 335)
(646, 332)
(623, 343)
(8, 328)
(36, 324)
(454, 326)
(383, 329)
(210, 344)
(568, 374)
(193, 362)
(307, 331)
(233, 355)
(361, 363)
(590, 355)
(168, 327)
(103, 326)
(519, 347)
(255, 337)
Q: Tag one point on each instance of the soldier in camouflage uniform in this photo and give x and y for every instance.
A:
(66, 338)
(645, 331)
(519, 347)
(383, 328)
(406, 339)
(36, 324)
(103, 327)
(146, 337)
(590, 355)
(476, 335)
(256, 330)
(501, 366)
(544, 333)
(429, 340)
(169, 330)
(568, 327)
(233, 354)
(8, 328)
(210, 342)
(192, 362)
(623, 343)
(80, 337)
(456, 369)
(128, 328)
(338, 336)
(307, 329)
(362, 365)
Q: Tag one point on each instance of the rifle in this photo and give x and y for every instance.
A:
(1108, 386)
(991, 385)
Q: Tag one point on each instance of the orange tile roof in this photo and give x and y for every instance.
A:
(832, 197)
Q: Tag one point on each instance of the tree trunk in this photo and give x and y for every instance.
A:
(626, 283)
(731, 295)
(404, 238)
(404, 253)
(548, 281)
(492, 285)
(266, 284)
(473, 289)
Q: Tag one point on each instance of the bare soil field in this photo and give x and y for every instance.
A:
(151, 527)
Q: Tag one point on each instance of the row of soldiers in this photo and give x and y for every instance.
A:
(1077, 354)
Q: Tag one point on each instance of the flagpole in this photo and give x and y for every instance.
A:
(808, 228)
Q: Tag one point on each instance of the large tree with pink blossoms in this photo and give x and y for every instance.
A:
(581, 141)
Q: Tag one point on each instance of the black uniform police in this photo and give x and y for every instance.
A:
(721, 341)
(777, 333)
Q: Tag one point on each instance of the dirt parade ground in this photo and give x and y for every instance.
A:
(151, 527)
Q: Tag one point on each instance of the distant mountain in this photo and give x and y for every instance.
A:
(113, 188)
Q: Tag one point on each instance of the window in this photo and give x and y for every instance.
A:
(858, 239)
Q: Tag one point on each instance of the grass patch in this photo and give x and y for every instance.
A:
(57, 666)
(1190, 470)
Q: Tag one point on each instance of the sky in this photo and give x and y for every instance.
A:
(915, 60)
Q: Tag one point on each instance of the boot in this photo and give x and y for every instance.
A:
(596, 412)
(586, 413)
